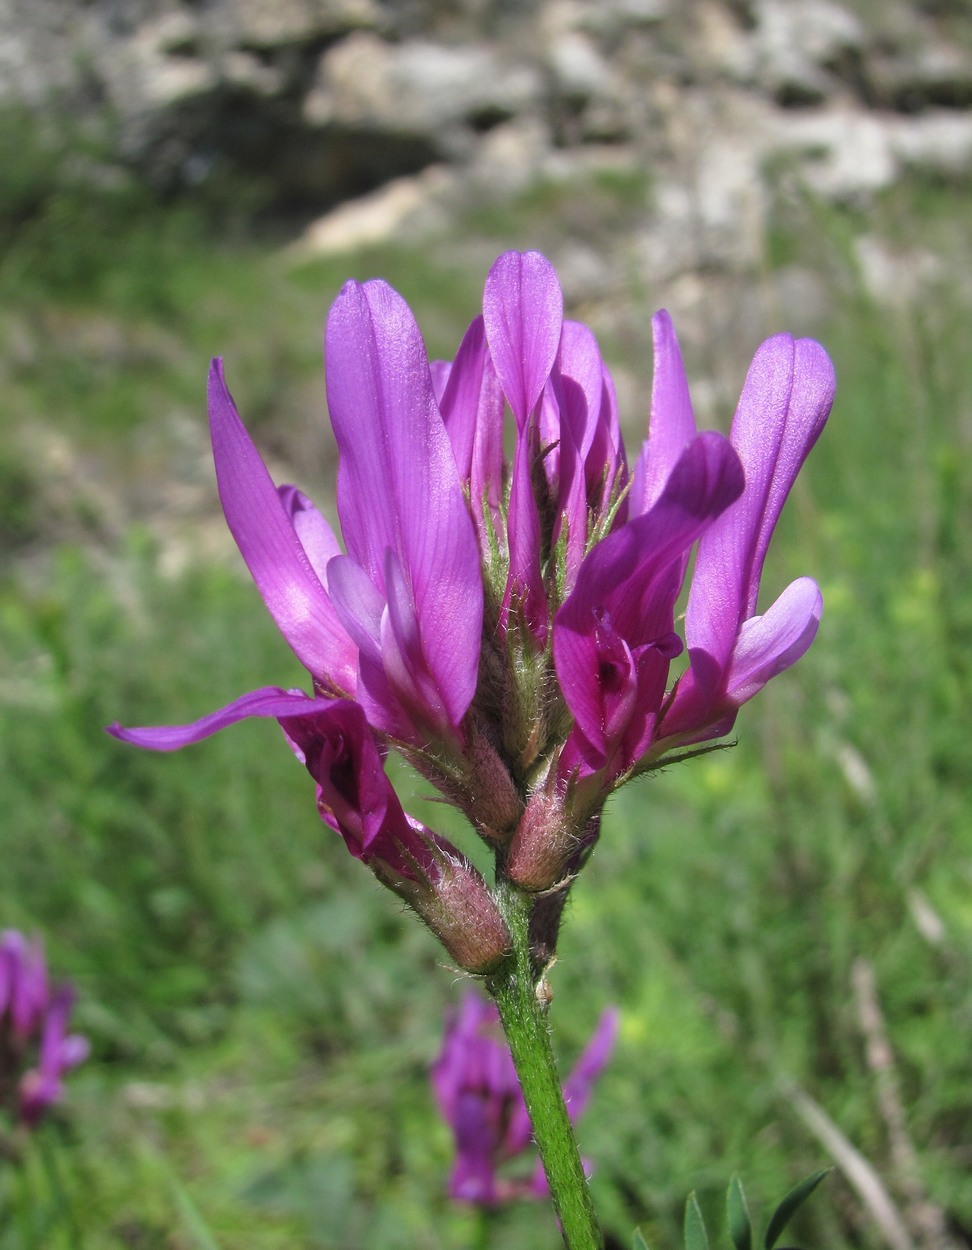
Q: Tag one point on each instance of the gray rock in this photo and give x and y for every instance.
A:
(846, 155)
(258, 24)
(403, 207)
(798, 43)
(579, 70)
(842, 154)
(892, 277)
(920, 76)
(443, 95)
(508, 159)
(322, 101)
(590, 102)
(939, 144)
(37, 52)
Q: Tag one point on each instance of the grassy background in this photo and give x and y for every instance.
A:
(262, 1015)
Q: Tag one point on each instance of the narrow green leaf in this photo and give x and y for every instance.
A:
(789, 1207)
(639, 1242)
(696, 1238)
(737, 1216)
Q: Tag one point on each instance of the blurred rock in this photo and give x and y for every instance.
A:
(894, 277)
(444, 94)
(926, 76)
(386, 213)
(317, 103)
(259, 25)
(843, 154)
(936, 144)
(797, 44)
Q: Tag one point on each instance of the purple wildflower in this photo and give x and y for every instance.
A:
(479, 1096)
(509, 626)
(35, 1047)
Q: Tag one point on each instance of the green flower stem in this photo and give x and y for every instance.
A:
(525, 1025)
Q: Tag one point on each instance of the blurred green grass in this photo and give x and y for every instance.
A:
(262, 1015)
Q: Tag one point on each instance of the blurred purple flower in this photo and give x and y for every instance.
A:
(480, 1099)
(35, 1047)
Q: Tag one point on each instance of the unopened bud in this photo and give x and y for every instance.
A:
(455, 902)
(545, 842)
(491, 803)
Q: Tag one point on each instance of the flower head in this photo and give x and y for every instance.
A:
(508, 624)
(479, 1096)
(35, 1047)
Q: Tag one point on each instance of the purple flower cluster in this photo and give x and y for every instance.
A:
(508, 625)
(35, 1046)
(479, 1095)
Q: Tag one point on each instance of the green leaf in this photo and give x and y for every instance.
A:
(639, 1242)
(737, 1216)
(789, 1207)
(696, 1238)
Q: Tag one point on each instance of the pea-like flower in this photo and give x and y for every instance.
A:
(479, 1097)
(36, 1049)
(508, 624)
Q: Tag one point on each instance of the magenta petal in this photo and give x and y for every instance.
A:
(524, 585)
(471, 403)
(783, 407)
(768, 644)
(628, 579)
(523, 311)
(355, 797)
(460, 395)
(578, 382)
(268, 542)
(571, 487)
(398, 487)
(440, 370)
(603, 709)
(312, 530)
(268, 701)
(402, 652)
(579, 363)
(774, 431)
(358, 603)
(671, 426)
(606, 460)
(486, 471)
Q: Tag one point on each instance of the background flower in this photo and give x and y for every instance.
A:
(480, 1099)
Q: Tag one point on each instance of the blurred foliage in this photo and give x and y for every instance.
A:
(263, 1016)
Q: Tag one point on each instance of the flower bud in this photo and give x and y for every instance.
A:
(546, 841)
(460, 910)
(481, 787)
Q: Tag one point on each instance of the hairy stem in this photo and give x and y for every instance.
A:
(524, 1022)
